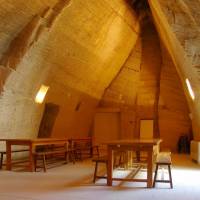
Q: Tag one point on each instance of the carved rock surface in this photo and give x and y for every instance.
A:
(98, 54)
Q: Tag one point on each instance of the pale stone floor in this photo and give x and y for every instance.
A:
(73, 182)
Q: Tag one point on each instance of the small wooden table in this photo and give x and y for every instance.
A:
(130, 145)
(31, 143)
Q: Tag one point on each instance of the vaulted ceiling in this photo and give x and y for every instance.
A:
(109, 53)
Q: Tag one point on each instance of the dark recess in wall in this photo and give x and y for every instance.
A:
(139, 5)
(78, 106)
(49, 116)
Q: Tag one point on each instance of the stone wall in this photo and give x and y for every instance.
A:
(148, 87)
(87, 51)
(178, 25)
(174, 118)
(76, 47)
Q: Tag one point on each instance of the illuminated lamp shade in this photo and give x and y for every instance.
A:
(189, 87)
(41, 94)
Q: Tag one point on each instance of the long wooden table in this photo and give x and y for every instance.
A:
(32, 144)
(131, 145)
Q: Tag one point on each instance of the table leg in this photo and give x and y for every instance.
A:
(110, 167)
(31, 159)
(149, 169)
(8, 156)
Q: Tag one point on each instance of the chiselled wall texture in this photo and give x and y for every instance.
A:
(178, 25)
(173, 112)
(148, 87)
(122, 91)
(75, 47)
(21, 69)
(98, 54)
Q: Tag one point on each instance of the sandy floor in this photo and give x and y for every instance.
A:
(72, 182)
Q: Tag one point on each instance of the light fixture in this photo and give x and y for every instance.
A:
(41, 94)
(190, 89)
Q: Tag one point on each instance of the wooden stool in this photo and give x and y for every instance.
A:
(97, 160)
(119, 160)
(163, 159)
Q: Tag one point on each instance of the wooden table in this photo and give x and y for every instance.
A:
(130, 145)
(31, 143)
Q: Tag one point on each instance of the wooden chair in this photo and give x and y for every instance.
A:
(118, 161)
(163, 159)
(97, 160)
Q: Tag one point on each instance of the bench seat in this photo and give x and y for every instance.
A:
(2, 153)
(66, 152)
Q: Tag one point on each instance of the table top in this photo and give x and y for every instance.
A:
(35, 140)
(146, 142)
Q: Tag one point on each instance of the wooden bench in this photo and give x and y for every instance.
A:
(2, 153)
(53, 152)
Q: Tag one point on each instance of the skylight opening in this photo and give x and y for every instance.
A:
(189, 87)
(41, 94)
